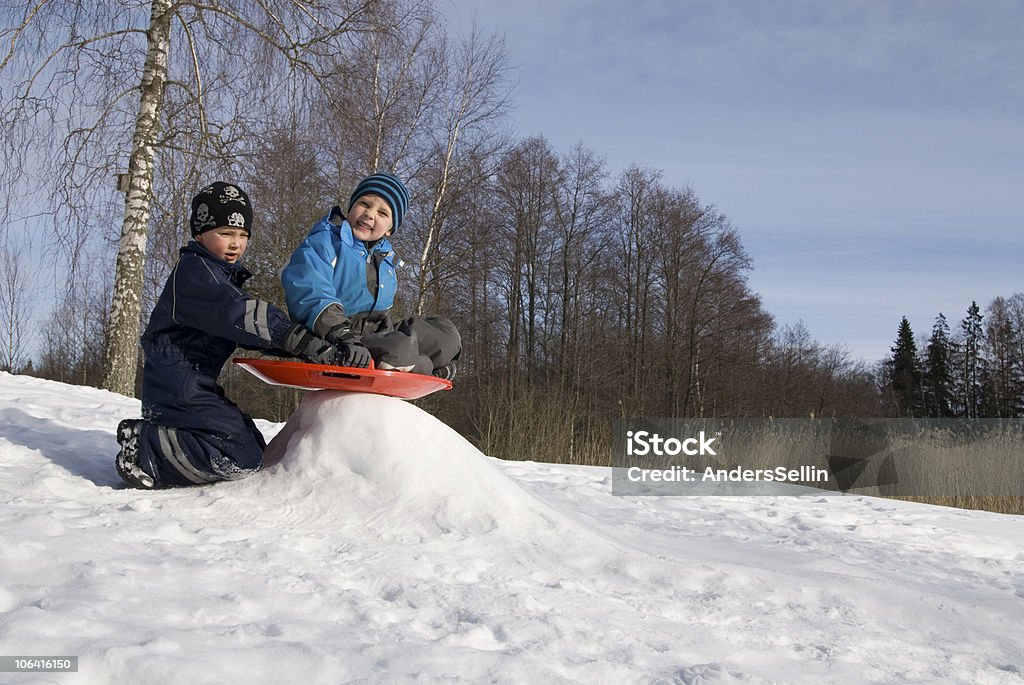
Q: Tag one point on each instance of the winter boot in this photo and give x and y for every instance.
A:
(127, 461)
(446, 372)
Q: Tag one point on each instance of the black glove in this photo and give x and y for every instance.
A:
(332, 325)
(342, 333)
(353, 353)
(301, 342)
(350, 352)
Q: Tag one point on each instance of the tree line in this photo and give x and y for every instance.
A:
(973, 371)
(583, 293)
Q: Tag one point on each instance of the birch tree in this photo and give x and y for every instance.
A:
(77, 66)
(417, 103)
(385, 89)
(121, 350)
(473, 96)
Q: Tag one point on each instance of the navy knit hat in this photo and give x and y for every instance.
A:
(220, 204)
(388, 187)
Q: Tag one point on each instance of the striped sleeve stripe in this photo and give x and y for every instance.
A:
(256, 319)
(176, 458)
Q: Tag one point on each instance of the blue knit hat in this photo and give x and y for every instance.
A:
(388, 187)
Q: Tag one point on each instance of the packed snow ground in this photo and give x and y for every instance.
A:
(384, 548)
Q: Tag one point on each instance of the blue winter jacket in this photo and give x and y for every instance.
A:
(201, 317)
(331, 266)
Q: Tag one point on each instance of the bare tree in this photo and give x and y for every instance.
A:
(1004, 373)
(14, 308)
(582, 213)
(639, 205)
(372, 107)
(75, 62)
(526, 184)
(71, 346)
(473, 96)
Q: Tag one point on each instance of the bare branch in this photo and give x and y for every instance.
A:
(16, 33)
(197, 97)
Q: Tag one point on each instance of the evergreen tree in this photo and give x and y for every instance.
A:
(938, 376)
(972, 363)
(904, 377)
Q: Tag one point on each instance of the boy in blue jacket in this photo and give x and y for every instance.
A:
(190, 433)
(341, 282)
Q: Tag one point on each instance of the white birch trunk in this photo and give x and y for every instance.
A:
(434, 225)
(122, 347)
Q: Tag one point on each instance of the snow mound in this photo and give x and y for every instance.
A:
(387, 465)
(381, 547)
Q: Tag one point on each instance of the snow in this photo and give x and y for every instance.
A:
(383, 547)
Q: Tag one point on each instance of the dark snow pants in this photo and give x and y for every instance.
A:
(417, 344)
(191, 433)
(179, 456)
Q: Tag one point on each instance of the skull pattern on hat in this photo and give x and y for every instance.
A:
(203, 220)
(220, 204)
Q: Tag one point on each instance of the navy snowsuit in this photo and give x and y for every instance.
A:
(191, 433)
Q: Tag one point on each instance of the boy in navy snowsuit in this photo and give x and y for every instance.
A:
(190, 433)
(341, 282)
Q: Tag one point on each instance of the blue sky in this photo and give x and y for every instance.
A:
(870, 153)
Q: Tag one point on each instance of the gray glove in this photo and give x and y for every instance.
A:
(336, 329)
(354, 353)
(301, 342)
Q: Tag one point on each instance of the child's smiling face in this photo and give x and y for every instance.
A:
(225, 242)
(370, 218)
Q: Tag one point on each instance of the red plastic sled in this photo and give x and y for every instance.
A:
(408, 386)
